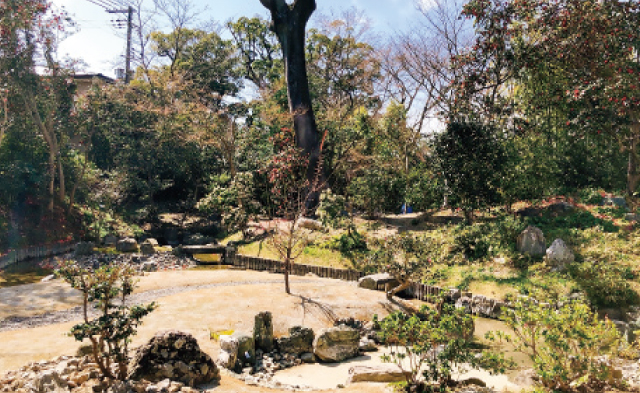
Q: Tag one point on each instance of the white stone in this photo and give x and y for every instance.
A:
(559, 254)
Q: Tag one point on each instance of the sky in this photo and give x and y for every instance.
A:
(102, 47)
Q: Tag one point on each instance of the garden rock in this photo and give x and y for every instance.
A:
(531, 241)
(110, 241)
(246, 348)
(560, 208)
(310, 224)
(228, 352)
(378, 281)
(149, 246)
(367, 345)
(464, 302)
(128, 244)
(84, 248)
(300, 340)
(174, 355)
(263, 331)
(385, 373)
(308, 357)
(632, 217)
(559, 255)
(614, 201)
(337, 344)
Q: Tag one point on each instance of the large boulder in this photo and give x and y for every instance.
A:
(149, 246)
(337, 344)
(127, 244)
(300, 340)
(263, 331)
(174, 355)
(84, 248)
(559, 254)
(531, 241)
(386, 373)
(378, 281)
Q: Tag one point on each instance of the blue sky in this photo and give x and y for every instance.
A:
(99, 45)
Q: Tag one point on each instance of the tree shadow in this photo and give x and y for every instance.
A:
(309, 305)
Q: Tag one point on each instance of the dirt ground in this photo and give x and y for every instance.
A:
(315, 303)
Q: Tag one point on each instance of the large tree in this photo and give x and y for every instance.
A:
(289, 22)
(586, 49)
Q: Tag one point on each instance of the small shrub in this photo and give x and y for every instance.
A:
(348, 243)
(569, 346)
(605, 284)
(590, 196)
(436, 339)
(472, 242)
(106, 289)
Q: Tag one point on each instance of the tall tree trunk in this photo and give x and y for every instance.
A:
(289, 23)
(52, 143)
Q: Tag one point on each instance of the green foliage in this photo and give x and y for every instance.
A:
(439, 340)
(402, 256)
(106, 289)
(590, 196)
(473, 242)
(232, 199)
(378, 190)
(332, 210)
(581, 219)
(349, 243)
(605, 284)
(495, 237)
(471, 159)
(569, 346)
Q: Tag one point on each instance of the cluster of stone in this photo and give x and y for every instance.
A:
(142, 263)
(175, 356)
(78, 375)
(171, 362)
(256, 358)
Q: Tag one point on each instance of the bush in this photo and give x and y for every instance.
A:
(472, 241)
(605, 284)
(569, 346)
(402, 256)
(111, 332)
(438, 340)
(581, 219)
(590, 196)
(348, 243)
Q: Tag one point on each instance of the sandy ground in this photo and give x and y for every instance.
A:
(315, 303)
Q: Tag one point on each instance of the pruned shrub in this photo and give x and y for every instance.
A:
(106, 289)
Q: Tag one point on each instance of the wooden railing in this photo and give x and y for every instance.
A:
(270, 265)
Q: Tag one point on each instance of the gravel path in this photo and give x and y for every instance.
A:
(75, 313)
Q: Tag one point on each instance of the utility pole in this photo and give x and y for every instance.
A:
(129, 12)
